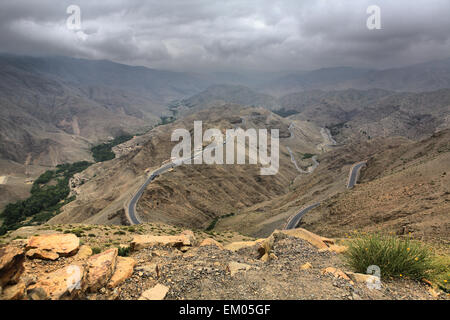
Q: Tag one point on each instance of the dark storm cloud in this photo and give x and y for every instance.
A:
(231, 35)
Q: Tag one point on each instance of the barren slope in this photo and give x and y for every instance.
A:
(404, 190)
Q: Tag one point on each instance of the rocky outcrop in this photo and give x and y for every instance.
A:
(52, 246)
(100, 268)
(64, 283)
(158, 292)
(124, 269)
(11, 265)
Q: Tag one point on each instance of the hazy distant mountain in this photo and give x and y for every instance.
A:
(316, 79)
(428, 76)
(230, 94)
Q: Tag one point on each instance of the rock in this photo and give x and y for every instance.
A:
(145, 241)
(184, 248)
(361, 277)
(84, 252)
(124, 270)
(62, 244)
(314, 239)
(64, 283)
(158, 292)
(433, 292)
(41, 254)
(190, 235)
(100, 268)
(355, 296)
(11, 265)
(236, 246)
(335, 248)
(151, 269)
(265, 249)
(13, 292)
(235, 267)
(306, 266)
(211, 242)
(337, 273)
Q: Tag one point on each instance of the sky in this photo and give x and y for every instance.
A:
(231, 35)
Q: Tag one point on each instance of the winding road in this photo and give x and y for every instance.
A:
(293, 223)
(353, 177)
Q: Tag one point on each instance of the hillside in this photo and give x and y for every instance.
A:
(403, 189)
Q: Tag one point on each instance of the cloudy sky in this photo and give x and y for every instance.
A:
(230, 35)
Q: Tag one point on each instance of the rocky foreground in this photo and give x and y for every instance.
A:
(294, 264)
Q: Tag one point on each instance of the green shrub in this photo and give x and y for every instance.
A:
(96, 250)
(124, 251)
(394, 256)
(120, 232)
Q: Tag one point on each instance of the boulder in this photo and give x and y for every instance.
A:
(124, 270)
(41, 254)
(11, 265)
(64, 283)
(50, 244)
(145, 241)
(13, 292)
(158, 292)
(84, 252)
(314, 239)
(190, 235)
(234, 267)
(100, 268)
(211, 242)
(265, 249)
(361, 277)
